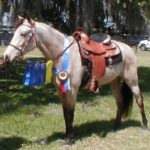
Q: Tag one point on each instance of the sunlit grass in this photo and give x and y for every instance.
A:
(31, 115)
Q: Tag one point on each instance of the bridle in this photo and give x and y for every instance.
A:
(32, 35)
(27, 39)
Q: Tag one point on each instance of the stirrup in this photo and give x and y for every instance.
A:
(94, 86)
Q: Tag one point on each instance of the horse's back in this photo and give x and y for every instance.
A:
(119, 70)
(127, 52)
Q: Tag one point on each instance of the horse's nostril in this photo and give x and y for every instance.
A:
(6, 58)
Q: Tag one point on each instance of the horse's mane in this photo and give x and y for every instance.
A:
(48, 27)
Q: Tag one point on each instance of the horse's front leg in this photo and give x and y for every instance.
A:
(68, 103)
(69, 116)
(116, 89)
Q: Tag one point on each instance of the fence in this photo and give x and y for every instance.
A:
(10, 74)
(6, 34)
(5, 38)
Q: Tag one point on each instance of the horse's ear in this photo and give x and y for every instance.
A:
(27, 16)
(29, 19)
(19, 21)
(20, 18)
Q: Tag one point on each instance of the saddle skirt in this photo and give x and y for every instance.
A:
(97, 48)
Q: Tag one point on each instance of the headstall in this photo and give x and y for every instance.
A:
(27, 40)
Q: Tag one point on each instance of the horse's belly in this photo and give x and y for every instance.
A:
(111, 73)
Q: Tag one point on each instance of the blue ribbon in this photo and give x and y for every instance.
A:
(64, 66)
(34, 74)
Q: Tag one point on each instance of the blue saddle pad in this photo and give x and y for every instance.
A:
(34, 74)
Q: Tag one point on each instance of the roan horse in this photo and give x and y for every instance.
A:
(29, 35)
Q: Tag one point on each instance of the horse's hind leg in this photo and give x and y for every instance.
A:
(139, 101)
(132, 82)
(116, 89)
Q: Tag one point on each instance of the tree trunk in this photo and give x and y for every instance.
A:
(12, 12)
(78, 21)
(1, 13)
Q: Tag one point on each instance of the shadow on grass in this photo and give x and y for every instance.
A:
(100, 128)
(19, 95)
(13, 100)
(88, 96)
(12, 143)
(44, 95)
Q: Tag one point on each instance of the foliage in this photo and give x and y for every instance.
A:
(66, 15)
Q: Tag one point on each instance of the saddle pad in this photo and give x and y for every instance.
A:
(113, 60)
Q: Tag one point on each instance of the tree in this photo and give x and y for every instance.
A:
(91, 15)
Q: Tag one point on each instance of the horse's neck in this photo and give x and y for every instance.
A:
(50, 41)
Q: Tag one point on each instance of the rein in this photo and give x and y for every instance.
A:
(27, 40)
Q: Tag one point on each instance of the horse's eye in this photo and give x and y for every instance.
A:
(23, 34)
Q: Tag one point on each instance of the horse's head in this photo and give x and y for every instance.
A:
(23, 41)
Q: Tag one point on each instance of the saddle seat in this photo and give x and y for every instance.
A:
(97, 48)
(97, 44)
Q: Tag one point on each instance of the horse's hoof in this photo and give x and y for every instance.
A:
(113, 130)
(145, 127)
(43, 142)
(116, 128)
(69, 140)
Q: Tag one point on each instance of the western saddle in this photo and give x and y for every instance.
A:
(98, 49)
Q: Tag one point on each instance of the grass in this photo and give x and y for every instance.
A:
(30, 115)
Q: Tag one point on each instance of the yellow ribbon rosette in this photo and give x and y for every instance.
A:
(49, 66)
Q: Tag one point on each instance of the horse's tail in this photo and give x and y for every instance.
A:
(127, 100)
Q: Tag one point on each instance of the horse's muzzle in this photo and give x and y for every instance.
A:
(6, 58)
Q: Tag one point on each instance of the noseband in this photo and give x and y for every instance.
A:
(27, 40)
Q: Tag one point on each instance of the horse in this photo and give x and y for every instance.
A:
(29, 35)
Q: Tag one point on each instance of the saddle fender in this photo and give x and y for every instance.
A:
(99, 66)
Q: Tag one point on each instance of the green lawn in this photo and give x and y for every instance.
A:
(30, 115)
